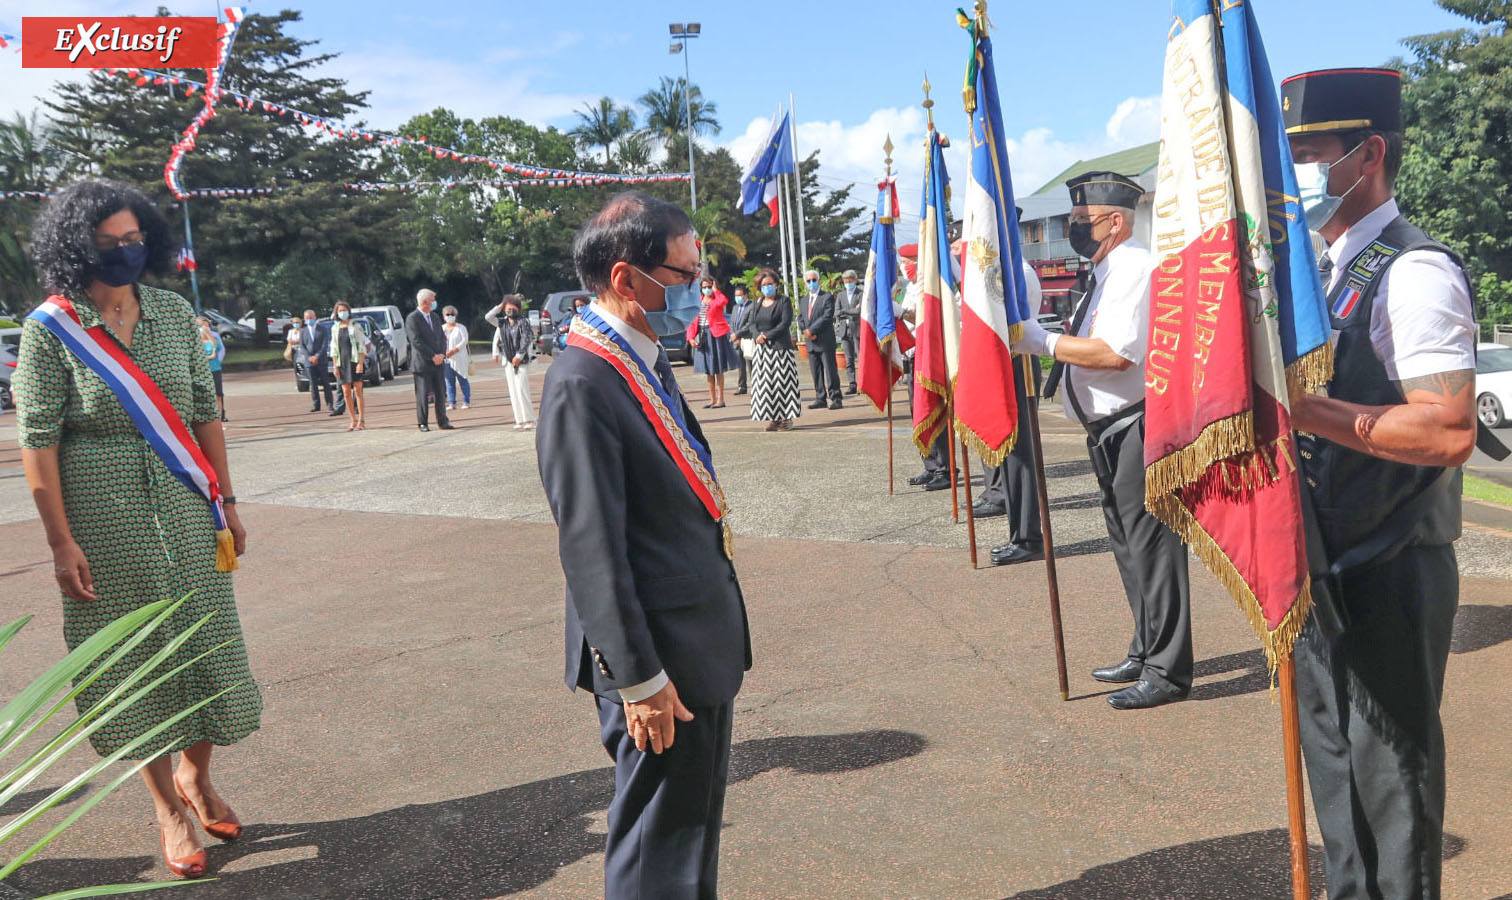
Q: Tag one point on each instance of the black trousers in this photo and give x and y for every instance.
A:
(1371, 734)
(825, 371)
(430, 386)
(667, 810)
(848, 344)
(320, 383)
(938, 459)
(1151, 561)
(743, 383)
(1013, 484)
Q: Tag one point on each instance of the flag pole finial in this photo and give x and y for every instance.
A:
(928, 102)
(887, 148)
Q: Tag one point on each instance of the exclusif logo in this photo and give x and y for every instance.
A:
(124, 42)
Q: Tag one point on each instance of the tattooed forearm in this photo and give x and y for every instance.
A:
(1445, 384)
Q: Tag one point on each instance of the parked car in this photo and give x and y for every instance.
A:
(381, 365)
(671, 329)
(278, 324)
(1051, 323)
(1493, 384)
(10, 346)
(390, 321)
(229, 331)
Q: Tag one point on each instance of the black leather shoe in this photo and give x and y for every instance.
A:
(1010, 553)
(336, 412)
(1126, 672)
(818, 404)
(446, 426)
(940, 482)
(315, 408)
(425, 428)
(739, 391)
(988, 510)
(850, 391)
(921, 478)
(837, 405)
(1145, 695)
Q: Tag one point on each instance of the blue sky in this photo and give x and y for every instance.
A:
(1073, 86)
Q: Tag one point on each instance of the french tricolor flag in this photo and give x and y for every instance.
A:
(773, 157)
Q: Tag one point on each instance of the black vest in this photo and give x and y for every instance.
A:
(1369, 508)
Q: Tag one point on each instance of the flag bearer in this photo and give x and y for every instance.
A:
(1102, 361)
(1382, 457)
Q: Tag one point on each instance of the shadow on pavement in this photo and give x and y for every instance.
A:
(1479, 627)
(1083, 548)
(1070, 469)
(1089, 500)
(1255, 675)
(470, 848)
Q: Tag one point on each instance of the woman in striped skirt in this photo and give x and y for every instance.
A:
(774, 370)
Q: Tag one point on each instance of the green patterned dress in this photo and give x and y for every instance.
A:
(145, 535)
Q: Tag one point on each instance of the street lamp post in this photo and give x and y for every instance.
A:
(681, 34)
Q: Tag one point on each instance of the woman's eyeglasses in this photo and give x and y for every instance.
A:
(107, 242)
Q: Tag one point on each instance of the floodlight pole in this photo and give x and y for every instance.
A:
(681, 34)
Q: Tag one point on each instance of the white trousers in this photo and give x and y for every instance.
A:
(518, 383)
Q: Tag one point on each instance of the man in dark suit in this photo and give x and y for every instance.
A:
(427, 358)
(848, 324)
(656, 623)
(314, 346)
(816, 319)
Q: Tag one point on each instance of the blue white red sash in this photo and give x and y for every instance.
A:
(149, 410)
(590, 332)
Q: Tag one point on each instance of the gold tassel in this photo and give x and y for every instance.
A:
(1311, 372)
(225, 551)
(1220, 440)
(989, 456)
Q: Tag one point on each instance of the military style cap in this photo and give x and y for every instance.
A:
(1105, 189)
(1335, 100)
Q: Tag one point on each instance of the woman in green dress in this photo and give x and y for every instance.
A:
(124, 532)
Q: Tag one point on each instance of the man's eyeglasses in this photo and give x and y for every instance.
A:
(107, 242)
(691, 276)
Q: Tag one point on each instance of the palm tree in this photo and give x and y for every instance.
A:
(720, 244)
(30, 160)
(603, 124)
(666, 114)
(634, 152)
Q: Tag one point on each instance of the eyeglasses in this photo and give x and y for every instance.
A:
(1086, 220)
(108, 242)
(692, 276)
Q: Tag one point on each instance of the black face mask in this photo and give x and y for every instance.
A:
(123, 265)
(512, 314)
(1082, 240)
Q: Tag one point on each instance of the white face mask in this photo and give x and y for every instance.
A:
(451, 318)
(1312, 187)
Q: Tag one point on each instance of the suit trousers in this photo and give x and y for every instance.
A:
(825, 371)
(429, 387)
(938, 460)
(1151, 561)
(1371, 734)
(848, 344)
(667, 810)
(1013, 485)
(320, 384)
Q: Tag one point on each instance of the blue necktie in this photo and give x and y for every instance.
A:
(663, 368)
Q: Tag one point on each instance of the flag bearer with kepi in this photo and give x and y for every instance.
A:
(1102, 362)
(1381, 453)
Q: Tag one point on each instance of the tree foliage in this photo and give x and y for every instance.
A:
(1456, 179)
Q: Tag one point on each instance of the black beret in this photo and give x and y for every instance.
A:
(1336, 100)
(1105, 189)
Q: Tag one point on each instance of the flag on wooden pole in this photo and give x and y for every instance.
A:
(1238, 321)
(993, 293)
(879, 359)
(938, 317)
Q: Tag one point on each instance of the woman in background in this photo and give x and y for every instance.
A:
(514, 343)
(348, 352)
(709, 335)
(215, 354)
(458, 361)
(774, 369)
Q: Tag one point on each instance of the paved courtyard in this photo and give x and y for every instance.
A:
(901, 735)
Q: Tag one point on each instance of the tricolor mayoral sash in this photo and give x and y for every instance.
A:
(149, 410)
(590, 332)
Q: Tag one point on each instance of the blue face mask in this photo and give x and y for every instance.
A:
(343, 315)
(1312, 188)
(812, 286)
(677, 298)
(769, 290)
(707, 292)
(123, 265)
(310, 321)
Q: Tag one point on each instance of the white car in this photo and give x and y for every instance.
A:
(1493, 384)
(390, 321)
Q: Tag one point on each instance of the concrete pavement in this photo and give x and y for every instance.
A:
(900, 736)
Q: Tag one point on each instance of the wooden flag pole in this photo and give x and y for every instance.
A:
(950, 462)
(1296, 809)
(1044, 513)
(970, 515)
(889, 444)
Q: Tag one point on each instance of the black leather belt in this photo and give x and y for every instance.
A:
(1110, 425)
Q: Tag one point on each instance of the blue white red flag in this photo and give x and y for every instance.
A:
(994, 299)
(773, 157)
(938, 316)
(1238, 320)
(879, 359)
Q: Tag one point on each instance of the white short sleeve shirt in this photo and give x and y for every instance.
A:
(1423, 322)
(1119, 317)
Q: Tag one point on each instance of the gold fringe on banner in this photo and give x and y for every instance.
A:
(989, 456)
(1311, 372)
(923, 432)
(1278, 643)
(1220, 440)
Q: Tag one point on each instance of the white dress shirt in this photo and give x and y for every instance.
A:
(1120, 317)
(1422, 322)
(646, 350)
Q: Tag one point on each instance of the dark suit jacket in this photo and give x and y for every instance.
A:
(821, 322)
(319, 346)
(848, 313)
(425, 342)
(775, 321)
(648, 585)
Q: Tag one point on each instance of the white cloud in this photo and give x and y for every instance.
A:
(23, 87)
(1135, 122)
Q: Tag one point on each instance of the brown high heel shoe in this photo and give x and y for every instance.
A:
(228, 830)
(196, 865)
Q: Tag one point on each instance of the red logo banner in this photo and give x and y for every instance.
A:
(121, 42)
